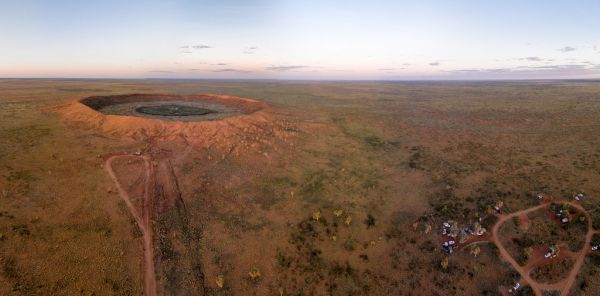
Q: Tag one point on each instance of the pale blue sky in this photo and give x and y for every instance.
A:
(451, 39)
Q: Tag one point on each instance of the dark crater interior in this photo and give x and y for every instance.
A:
(173, 110)
(165, 107)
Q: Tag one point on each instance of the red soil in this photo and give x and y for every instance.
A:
(159, 193)
(537, 259)
(141, 216)
(562, 286)
(253, 130)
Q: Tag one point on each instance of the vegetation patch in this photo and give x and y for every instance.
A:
(553, 271)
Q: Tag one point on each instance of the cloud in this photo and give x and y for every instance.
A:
(434, 64)
(201, 46)
(285, 68)
(534, 59)
(232, 70)
(476, 71)
(567, 49)
(186, 51)
(390, 70)
(530, 72)
(198, 46)
(160, 71)
(530, 59)
(250, 49)
(552, 67)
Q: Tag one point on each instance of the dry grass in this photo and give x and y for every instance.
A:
(386, 154)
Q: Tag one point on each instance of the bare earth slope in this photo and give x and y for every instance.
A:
(205, 133)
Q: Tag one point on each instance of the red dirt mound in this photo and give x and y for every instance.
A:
(255, 119)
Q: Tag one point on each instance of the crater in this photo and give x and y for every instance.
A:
(173, 107)
(216, 120)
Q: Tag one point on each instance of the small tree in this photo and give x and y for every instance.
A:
(316, 215)
(254, 274)
(528, 252)
(348, 220)
(444, 263)
(220, 281)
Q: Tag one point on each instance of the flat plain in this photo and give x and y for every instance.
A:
(345, 197)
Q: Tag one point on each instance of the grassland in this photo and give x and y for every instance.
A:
(371, 158)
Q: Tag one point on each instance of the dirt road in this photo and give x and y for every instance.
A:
(581, 257)
(563, 286)
(143, 219)
(504, 253)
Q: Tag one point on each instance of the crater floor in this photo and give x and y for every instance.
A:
(173, 110)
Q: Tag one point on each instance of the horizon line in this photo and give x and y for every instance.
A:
(312, 80)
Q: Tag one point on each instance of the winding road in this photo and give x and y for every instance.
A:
(564, 285)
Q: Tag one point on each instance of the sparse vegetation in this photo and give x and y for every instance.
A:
(553, 272)
(330, 211)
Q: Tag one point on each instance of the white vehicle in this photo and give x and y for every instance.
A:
(596, 248)
(452, 243)
(514, 288)
(551, 253)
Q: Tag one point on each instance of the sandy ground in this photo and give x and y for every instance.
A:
(388, 155)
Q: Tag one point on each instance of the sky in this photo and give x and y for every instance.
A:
(282, 39)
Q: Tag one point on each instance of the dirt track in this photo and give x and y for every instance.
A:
(563, 286)
(143, 219)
